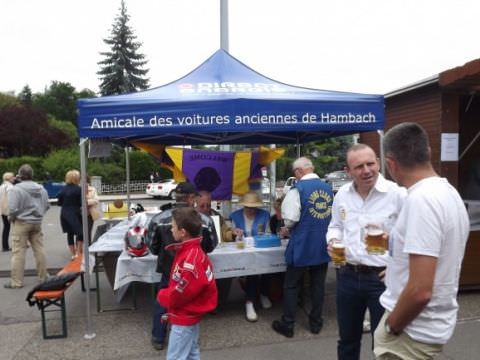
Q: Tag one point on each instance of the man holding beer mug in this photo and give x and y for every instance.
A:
(427, 247)
(357, 207)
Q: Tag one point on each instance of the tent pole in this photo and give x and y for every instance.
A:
(127, 165)
(273, 179)
(86, 238)
(224, 25)
(382, 155)
(224, 44)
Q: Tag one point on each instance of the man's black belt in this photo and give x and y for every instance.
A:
(365, 268)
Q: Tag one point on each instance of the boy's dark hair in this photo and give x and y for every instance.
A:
(189, 219)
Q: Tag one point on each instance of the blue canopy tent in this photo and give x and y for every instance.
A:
(222, 101)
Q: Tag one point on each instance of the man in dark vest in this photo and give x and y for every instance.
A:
(306, 211)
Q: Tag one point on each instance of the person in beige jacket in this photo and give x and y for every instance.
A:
(8, 180)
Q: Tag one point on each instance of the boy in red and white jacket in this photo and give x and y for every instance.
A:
(191, 291)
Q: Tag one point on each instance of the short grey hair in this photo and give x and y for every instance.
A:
(408, 144)
(302, 163)
(25, 172)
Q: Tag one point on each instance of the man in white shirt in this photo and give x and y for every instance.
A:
(427, 245)
(359, 283)
(306, 211)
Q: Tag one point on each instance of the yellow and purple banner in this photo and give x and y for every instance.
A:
(222, 173)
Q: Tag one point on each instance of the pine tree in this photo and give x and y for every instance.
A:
(122, 69)
(25, 96)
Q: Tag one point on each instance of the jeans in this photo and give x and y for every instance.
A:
(183, 343)
(159, 328)
(356, 291)
(291, 286)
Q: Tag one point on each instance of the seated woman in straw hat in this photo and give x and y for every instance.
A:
(249, 221)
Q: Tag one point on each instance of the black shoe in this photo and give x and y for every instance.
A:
(282, 328)
(5, 250)
(315, 326)
(157, 345)
(315, 329)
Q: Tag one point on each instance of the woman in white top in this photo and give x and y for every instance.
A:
(8, 180)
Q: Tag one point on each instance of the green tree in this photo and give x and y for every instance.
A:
(13, 164)
(66, 127)
(122, 69)
(327, 155)
(7, 100)
(59, 100)
(25, 96)
(86, 93)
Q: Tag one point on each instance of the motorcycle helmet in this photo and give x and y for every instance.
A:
(137, 208)
(135, 241)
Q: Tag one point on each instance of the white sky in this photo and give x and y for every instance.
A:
(369, 46)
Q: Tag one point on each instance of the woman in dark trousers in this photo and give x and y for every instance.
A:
(70, 199)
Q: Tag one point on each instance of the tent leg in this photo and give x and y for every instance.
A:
(86, 237)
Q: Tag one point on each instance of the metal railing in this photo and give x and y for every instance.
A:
(136, 186)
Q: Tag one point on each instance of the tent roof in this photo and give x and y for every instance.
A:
(223, 101)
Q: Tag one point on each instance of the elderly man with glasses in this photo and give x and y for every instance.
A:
(306, 211)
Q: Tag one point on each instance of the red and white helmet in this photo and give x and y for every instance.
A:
(135, 241)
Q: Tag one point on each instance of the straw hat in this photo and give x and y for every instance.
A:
(251, 199)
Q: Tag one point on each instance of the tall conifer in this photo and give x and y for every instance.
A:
(122, 70)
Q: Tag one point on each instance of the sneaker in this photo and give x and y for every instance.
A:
(265, 302)
(250, 312)
(10, 286)
(283, 329)
(157, 345)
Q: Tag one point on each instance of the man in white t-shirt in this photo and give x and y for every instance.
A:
(427, 245)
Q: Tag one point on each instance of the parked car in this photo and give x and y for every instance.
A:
(337, 178)
(164, 188)
(288, 184)
(53, 188)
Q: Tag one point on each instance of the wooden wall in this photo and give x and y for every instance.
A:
(435, 111)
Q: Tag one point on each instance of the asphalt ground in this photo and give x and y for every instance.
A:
(125, 334)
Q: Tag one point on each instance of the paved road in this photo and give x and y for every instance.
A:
(122, 335)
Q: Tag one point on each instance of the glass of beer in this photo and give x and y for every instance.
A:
(260, 229)
(240, 242)
(338, 253)
(375, 238)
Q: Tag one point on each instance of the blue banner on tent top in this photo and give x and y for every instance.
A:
(224, 101)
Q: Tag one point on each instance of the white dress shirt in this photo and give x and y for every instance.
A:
(350, 214)
(291, 206)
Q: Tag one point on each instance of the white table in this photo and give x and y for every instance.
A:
(228, 261)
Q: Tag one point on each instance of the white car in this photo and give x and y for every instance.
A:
(337, 179)
(288, 184)
(164, 188)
